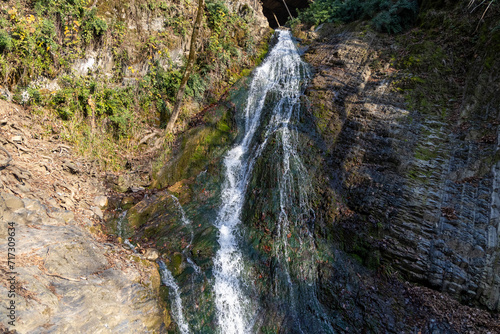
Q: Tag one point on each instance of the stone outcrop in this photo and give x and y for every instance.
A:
(69, 282)
(144, 22)
(428, 180)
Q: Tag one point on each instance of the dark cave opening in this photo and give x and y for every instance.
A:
(277, 13)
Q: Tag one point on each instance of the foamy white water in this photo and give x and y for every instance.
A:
(186, 222)
(280, 74)
(119, 223)
(175, 297)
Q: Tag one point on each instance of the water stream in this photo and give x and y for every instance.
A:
(186, 222)
(226, 299)
(279, 79)
(175, 297)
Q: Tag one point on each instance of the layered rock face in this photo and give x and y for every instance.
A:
(427, 180)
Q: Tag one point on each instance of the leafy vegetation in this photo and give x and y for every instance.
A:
(385, 15)
(43, 41)
(226, 47)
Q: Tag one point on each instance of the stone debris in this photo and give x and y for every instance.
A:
(136, 189)
(71, 167)
(97, 211)
(17, 139)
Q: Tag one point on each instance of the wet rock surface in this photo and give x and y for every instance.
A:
(358, 140)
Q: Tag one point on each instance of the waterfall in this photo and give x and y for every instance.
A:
(120, 231)
(281, 77)
(186, 222)
(119, 224)
(168, 279)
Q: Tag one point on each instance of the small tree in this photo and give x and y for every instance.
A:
(189, 68)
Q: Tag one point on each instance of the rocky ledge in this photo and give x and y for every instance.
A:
(66, 277)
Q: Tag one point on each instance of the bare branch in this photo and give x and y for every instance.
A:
(9, 157)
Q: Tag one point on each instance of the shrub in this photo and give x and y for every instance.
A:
(397, 18)
(217, 12)
(387, 16)
(93, 26)
(5, 41)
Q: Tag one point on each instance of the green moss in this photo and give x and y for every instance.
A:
(175, 264)
(246, 72)
(204, 243)
(139, 214)
(357, 258)
(419, 175)
(426, 153)
(201, 145)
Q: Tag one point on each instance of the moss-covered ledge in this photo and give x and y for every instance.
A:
(204, 142)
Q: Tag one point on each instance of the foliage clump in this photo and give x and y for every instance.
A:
(44, 42)
(386, 15)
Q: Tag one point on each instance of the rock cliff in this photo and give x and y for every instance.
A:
(410, 139)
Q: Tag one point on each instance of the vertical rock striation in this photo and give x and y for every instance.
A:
(429, 185)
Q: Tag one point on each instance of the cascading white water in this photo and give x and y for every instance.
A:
(281, 74)
(119, 223)
(186, 222)
(184, 219)
(168, 279)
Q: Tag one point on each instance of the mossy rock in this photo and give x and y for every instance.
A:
(204, 143)
(176, 263)
(140, 213)
(163, 293)
(127, 202)
(204, 243)
(155, 279)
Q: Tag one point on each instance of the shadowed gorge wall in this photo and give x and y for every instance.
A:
(421, 167)
(272, 8)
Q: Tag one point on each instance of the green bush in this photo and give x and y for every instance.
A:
(217, 12)
(76, 93)
(93, 27)
(35, 98)
(397, 18)
(386, 15)
(5, 41)
(163, 85)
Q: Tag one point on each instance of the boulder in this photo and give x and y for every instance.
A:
(101, 201)
(151, 254)
(97, 211)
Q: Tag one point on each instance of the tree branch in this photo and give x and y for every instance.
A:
(9, 158)
(189, 68)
